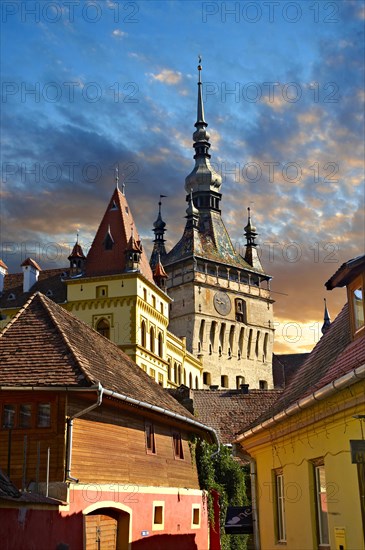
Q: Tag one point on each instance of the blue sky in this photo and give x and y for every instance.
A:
(88, 85)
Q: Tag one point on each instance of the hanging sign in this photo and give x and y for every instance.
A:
(239, 520)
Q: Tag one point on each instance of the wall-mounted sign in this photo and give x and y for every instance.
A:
(357, 451)
(239, 520)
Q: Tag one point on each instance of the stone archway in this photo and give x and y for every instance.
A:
(107, 526)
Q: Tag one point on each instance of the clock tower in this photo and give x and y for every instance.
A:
(220, 300)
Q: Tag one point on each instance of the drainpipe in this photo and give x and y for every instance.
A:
(69, 423)
(237, 451)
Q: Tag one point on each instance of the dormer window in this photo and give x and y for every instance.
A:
(108, 241)
(358, 304)
(11, 296)
(49, 293)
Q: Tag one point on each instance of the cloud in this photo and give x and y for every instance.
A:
(167, 76)
(118, 33)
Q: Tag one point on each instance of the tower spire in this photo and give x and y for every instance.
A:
(326, 318)
(159, 228)
(204, 181)
(200, 111)
(251, 255)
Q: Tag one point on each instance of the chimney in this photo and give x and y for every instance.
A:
(30, 273)
(244, 388)
(3, 272)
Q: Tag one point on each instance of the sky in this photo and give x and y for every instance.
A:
(91, 85)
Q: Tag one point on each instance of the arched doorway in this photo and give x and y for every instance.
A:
(107, 526)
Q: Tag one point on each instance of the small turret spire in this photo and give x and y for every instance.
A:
(326, 318)
(117, 177)
(251, 256)
(159, 228)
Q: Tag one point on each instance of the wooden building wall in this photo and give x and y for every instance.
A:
(20, 445)
(109, 445)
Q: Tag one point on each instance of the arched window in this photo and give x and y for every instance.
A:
(152, 339)
(179, 375)
(190, 380)
(169, 368)
(175, 373)
(103, 328)
(196, 383)
(160, 344)
(143, 334)
(184, 376)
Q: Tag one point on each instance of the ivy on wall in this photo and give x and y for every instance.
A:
(219, 471)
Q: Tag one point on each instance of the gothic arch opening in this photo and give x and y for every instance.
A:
(103, 327)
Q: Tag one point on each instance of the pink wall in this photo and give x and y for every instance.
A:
(44, 529)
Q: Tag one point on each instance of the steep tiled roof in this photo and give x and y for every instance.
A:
(44, 345)
(119, 224)
(4, 266)
(285, 365)
(48, 280)
(210, 242)
(334, 356)
(228, 410)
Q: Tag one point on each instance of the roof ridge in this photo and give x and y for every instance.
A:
(17, 315)
(47, 302)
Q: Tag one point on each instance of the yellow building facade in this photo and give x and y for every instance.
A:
(307, 453)
(113, 290)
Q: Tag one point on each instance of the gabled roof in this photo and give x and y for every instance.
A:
(118, 223)
(32, 263)
(45, 346)
(48, 280)
(334, 356)
(227, 410)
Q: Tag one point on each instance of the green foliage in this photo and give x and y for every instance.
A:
(219, 471)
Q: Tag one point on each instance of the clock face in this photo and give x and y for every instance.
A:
(222, 303)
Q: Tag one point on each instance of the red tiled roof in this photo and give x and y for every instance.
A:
(44, 345)
(227, 411)
(334, 356)
(3, 265)
(117, 220)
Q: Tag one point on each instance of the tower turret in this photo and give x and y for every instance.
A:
(77, 259)
(159, 228)
(251, 255)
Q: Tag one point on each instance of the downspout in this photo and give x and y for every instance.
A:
(253, 478)
(69, 423)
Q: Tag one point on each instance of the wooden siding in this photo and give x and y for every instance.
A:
(52, 437)
(109, 446)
